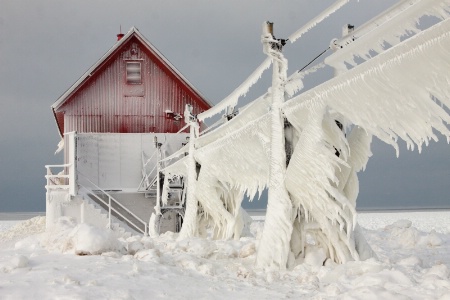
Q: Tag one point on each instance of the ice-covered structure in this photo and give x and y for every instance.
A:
(307, 148)
(117, 122)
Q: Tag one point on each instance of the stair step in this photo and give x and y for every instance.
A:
(117, 226)
(176, 187)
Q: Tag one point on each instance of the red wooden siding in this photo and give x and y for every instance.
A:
(106, 103)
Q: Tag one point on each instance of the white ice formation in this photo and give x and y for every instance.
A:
(319, 18)
(308, 149)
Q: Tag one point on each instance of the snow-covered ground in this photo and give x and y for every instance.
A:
(5, 225)
(413, 263)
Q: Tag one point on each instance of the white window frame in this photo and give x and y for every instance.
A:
(133, 72)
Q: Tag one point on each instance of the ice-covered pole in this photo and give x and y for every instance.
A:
(274, 247)
(190, 216)
(158, 188)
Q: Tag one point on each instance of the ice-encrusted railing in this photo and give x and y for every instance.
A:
(112, 204)
(60, 180)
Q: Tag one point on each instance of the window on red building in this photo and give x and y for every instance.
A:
(134, 72)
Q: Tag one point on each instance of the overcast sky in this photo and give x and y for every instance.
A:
(45, 46)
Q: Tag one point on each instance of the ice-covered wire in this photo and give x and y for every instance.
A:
(390, 95)
(242, 89)
(319, 18)
(232, 99)
(385, 30)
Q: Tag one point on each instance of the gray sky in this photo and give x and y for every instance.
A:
(45, 46)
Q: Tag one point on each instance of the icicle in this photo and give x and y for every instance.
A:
(232, 99)
(60, 146)
(372, 94)
(390, 27)
(295, 82)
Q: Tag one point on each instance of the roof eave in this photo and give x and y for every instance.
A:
(171, 66)
(89, 72)
(61, 134)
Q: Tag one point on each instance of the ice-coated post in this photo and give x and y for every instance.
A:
(274, 247)
(158, 191)
(189, 227)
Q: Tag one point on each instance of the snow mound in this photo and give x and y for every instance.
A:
(247, 250)
(88, 240)
(405, 235)
(14, 263)
(82, 239)
(152, 255)
(22, 230)
(221, 269)
(20, 262)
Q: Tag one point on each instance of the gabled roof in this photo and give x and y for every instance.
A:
(132, 32)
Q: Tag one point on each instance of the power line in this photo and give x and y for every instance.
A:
(323, 52)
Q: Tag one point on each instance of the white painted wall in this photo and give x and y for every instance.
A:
(114, 161)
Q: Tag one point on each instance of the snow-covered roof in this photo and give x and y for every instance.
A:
(132, 32)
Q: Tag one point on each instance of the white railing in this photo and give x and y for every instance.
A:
(111, 209)
(145, 183)
(60, 180)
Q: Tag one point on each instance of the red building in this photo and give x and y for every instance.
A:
(118, 121)
(133, 88)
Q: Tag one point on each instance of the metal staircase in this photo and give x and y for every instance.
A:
(115, 225)
(113, 207)
(106, 209)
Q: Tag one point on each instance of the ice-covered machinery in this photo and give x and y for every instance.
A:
(169, 192)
